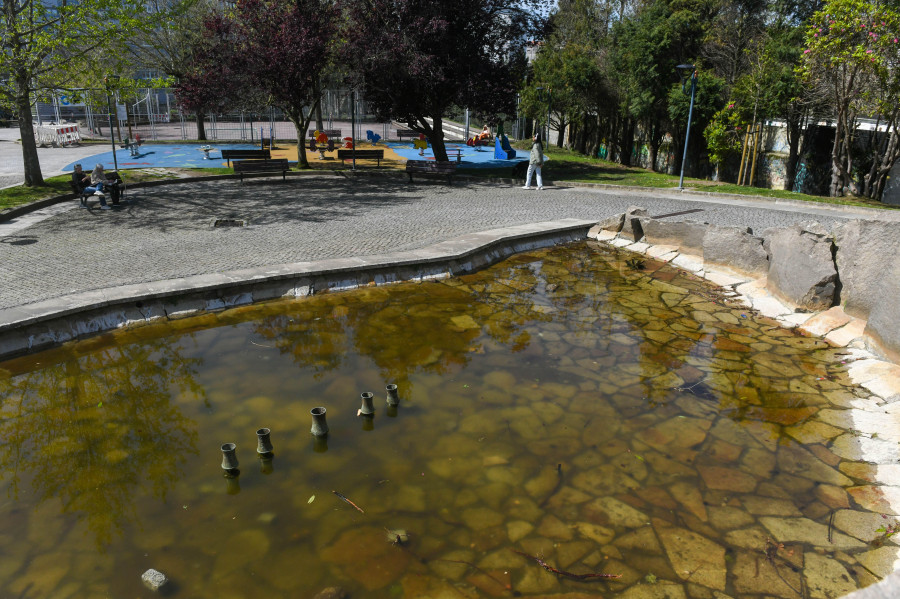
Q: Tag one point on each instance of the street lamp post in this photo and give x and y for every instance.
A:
(112, 139)
(549, 102)
(685, 68)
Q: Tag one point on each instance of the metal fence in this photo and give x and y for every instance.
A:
(154, 116)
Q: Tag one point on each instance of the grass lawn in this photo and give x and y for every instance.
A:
(563, 165)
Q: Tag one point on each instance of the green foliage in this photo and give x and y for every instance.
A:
(723, 134)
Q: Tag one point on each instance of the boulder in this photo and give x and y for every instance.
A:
(864, 247)
(884, 324)
(631, 227)
(687, 235)
(613, 223)
(736, 249)
(801, 266)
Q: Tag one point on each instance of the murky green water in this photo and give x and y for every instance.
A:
(558, 406)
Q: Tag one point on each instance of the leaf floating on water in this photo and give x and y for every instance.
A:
(311, 499)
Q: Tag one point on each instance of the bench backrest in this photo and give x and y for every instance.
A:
(407, 133)
(229, 154)
(362, 153)
(276, 164)
(329, 132)
(429, 166)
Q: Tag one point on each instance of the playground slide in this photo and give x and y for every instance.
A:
(502, 149)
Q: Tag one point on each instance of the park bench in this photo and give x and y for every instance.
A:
(455, 153)
(401, 133)
(114, 188)
(361, 155)
(273, 165)
(427, 167)
(230, 155)
(331, 133)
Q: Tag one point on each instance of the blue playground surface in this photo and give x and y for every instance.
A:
(151, 155)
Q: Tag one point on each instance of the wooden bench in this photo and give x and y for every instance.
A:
(114, 187)
(230, 155)
(455, 153)
(273, 165)
(401, 133)
(428, 167)
(331, 133)
(361, 155)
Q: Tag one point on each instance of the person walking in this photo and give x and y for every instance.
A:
(535, 162)
(98, 180)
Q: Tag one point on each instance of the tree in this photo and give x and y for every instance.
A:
(853, 56)
(415, 59)
(214, 77)
(42, 45)
(283, 46)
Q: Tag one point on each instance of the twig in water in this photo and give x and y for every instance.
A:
(831, 527)
(550, 568)
(359, 509)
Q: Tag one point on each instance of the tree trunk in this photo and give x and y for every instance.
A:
(793, 134)
(33, 175)
(201, 128)
(317, 92)
(435, 135)
(627, 142)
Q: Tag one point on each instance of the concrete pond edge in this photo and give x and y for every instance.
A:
(803, 289)
(45, 324)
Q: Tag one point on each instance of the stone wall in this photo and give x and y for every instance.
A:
(806, 267)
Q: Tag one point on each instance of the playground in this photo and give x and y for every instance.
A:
(209, 155)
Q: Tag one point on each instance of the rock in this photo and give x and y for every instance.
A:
(826, 578)
(804, 530)
(735, 249)
(631, 227)
(864, 247)
(883, 325)
(687, 235)
(613, 223)
(661, 589)
(154, 579)
(801, 266)
(331, 593)
(694, 557)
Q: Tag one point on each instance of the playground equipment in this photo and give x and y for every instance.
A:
(502, 149)
(321, 138)
(372, 137)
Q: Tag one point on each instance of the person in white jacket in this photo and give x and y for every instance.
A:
(535, 162)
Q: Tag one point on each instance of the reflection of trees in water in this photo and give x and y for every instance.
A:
(97, 429)
(429, 327)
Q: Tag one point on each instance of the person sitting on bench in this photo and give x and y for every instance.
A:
(80, 180)
(98, 181)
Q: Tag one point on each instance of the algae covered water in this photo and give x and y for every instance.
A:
(564, 414)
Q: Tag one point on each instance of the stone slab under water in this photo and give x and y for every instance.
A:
(562, 414)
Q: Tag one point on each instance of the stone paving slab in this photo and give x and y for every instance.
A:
(167, 232)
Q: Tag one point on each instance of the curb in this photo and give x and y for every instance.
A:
(44, 324)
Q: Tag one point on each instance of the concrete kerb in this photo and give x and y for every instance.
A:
(44, 324)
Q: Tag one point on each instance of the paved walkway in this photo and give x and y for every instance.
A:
(167, 232)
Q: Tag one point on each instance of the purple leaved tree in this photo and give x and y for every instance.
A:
(213, 80)
(284, 45)
(415, 59)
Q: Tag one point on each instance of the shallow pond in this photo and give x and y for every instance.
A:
(564, 410)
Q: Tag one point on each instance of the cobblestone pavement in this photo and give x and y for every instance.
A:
(167, 232)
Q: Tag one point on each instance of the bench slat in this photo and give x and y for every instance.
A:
(230, 155)
(261, 166)
(361, 155)
(427, 167)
